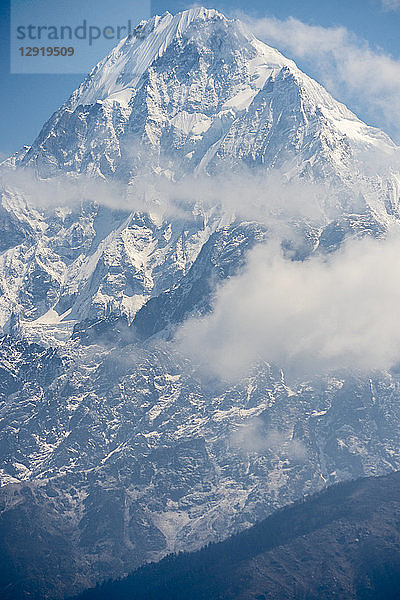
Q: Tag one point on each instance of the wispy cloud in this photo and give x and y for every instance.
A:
(390, 5)
(365, 78)
(253, 436)
(267, 198)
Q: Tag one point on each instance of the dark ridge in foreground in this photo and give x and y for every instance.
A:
(343, 543)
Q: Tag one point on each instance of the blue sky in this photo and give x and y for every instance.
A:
(359, 64)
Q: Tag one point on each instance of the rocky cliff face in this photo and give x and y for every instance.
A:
(116, 450)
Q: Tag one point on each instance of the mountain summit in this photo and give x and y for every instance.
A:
(198, 91)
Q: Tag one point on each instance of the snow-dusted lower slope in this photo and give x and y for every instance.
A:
(112, 457)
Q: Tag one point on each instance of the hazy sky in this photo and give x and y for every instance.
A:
(359, 62)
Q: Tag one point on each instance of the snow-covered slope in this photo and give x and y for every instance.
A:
(196, 91)
(114, 422)
(193, 93)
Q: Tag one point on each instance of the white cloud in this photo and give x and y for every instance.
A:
(390, 5)
(253, 194)
(363, 77)
(267, 198)
(70, 190)
(310, 318)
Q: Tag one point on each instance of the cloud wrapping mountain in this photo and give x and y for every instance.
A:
(325, 314)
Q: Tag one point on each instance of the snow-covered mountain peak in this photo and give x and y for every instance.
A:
(195, 92)
(121, 70)
(180, 85)
(117, 76)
